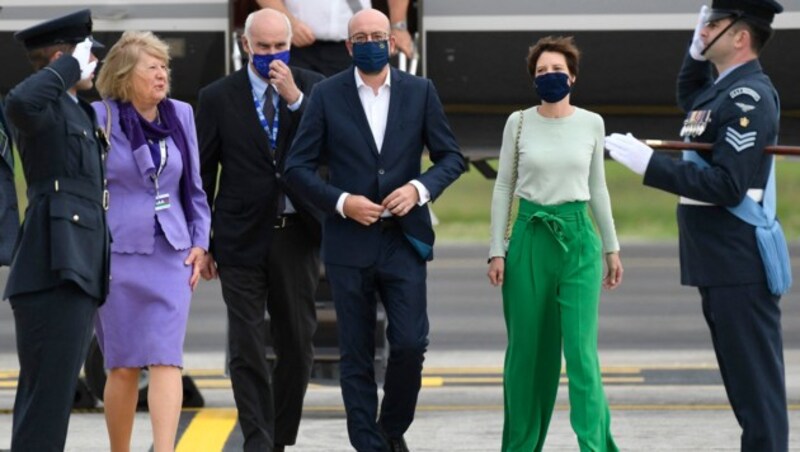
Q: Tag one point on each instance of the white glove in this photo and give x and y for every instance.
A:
(629, 151)
(83, 53)
(697, 47)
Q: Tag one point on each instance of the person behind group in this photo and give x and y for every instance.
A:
(59, 268)
(266, 241)
(737, 112)
(159, 220)
(369, 124)
(9, 212)
(320, 30)
(551, 270)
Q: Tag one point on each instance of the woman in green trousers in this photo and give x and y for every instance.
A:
(552, 270)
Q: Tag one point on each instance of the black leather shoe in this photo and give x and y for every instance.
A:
(395, 444)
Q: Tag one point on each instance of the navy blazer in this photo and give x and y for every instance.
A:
(717, 248)
(334, 132)
(241, 175)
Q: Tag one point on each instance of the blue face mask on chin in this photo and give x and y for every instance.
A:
(262, 62)
(552, 87)
(371, 56)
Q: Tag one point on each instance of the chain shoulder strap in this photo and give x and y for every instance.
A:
(514, 176)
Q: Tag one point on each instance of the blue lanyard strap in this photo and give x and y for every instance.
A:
(162, 147)
(272, 134)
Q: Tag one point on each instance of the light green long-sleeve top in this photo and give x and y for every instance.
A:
(560, 160)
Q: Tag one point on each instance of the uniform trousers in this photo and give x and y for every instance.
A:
(745, 325)
(399, 277)
(54, 328)
(270, 402)
(551, 293)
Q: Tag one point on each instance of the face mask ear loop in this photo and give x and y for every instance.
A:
(736, 19)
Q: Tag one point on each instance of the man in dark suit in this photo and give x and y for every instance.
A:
(59, 269)
(737, 112)
(369, 124)
(9, 213)
(265, 241)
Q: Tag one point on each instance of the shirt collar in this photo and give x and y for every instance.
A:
(726, 72)
(360, 81)
(258, 84)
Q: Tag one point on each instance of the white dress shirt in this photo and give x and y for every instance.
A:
(326, 18)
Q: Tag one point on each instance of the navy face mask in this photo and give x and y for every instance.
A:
(552, 87)
(262, 62)
(371, 56)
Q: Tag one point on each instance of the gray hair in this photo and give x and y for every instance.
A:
(249, 23)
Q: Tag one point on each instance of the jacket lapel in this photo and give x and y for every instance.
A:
(396, 101)
(353, 102)
(241, 95)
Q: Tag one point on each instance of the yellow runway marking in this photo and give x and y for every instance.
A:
(209, 430)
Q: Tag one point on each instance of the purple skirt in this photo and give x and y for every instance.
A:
(143, 321)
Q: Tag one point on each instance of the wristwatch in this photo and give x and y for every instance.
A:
(400, 25)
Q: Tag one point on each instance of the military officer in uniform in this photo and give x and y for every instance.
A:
(9, 214)
(59, 268)
(736, 109)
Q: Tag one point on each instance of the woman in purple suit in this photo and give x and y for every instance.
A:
(159, 221)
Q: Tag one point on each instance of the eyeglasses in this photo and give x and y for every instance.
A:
(360, 38)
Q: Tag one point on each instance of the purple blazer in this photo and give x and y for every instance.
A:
(131, 211)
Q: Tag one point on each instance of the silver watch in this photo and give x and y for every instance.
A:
(400, 25)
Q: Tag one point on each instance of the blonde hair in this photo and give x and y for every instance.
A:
(114, 79)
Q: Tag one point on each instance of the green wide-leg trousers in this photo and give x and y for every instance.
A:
(551, 292)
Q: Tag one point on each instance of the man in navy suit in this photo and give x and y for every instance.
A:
(369, 124)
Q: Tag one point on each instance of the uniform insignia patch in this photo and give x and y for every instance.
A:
(743, 121)
(745, 107)
(745, 91)
(740, 141)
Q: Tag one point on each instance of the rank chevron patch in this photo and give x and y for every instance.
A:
(740, 141)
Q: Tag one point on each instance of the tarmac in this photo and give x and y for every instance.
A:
(663, 401)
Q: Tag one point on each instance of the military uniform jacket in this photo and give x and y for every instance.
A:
(739, 116)
(9, 213)
(64, 235)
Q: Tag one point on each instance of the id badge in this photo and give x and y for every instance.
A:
(162, 202)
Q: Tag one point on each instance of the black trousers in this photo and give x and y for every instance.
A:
(54, 328)
(284, 285)
(745, 325)
(325, 57)
(399, 276)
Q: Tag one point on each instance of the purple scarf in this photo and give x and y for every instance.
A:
(138, 130)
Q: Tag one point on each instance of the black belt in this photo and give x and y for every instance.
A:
(74, 187)
(284, 221)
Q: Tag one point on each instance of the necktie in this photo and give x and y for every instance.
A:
(269, 105)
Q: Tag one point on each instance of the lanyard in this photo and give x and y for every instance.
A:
(272, 134)
(162, 147)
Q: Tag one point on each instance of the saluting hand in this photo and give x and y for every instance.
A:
(197, 259)
(402, 200)
(281, 76)
(361, 209)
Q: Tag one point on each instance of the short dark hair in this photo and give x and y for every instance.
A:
(564, 45)
(40, 57)
(759, 34)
